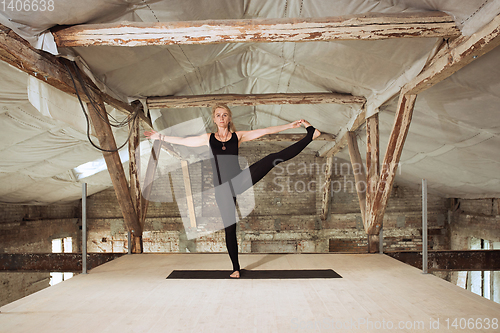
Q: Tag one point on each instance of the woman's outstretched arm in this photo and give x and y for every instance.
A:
(255, 134)
(190, 141)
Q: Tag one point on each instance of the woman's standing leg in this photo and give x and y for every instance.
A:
(232, 246)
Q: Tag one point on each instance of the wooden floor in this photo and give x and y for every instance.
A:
(132, 294)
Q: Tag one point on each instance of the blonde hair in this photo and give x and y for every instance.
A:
(232, 128)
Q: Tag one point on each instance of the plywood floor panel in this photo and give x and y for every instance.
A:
(132, 294)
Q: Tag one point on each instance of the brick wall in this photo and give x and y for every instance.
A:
(285, 217)
(30, 229)
(479, 218)
(14, 286)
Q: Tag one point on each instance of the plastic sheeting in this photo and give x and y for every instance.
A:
(452, 140)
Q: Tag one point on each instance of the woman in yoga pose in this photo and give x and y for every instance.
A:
(229, 179)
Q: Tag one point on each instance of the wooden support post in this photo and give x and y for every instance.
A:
(149, 177)
(189, 194)
(135, 186)
(461, 51)
(107, 141)
(327, 189)
(134, 168)
(378, 202)
(359, 172)
(373, 172)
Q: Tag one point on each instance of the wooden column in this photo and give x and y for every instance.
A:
(373, 171)
(134, 170)
(378, 202)
(107, 141)
(359, 172)
(327, 189)
(461, 51)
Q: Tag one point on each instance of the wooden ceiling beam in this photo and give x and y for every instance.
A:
(367, 26)
(355, 123)
(171, 102)
(457, 54)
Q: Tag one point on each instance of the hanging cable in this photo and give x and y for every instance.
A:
(133, 118)
(117, 124)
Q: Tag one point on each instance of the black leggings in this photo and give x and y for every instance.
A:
(226, 199)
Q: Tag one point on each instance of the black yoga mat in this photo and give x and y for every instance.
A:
(256, 274)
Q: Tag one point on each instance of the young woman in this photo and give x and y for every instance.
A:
(229, 179)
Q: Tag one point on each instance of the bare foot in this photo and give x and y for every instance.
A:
(307, 124)
(235, 275)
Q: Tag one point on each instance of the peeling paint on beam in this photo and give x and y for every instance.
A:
(401, 126)
(460, 52)
(172, 102)
(327, 190)
(370, 26)
(355, 123)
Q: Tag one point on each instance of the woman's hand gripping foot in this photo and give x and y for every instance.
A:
(306, 124)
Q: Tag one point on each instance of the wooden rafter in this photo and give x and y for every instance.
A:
(104, 133)
(355, 123)
(461, 52)
(169, 102)
(372, 163)
(53, 70)
(358, 170)
(368, 26)
(393, 153)
(458, 54)
(373, 172)
(327, 189)
(134, 165)
(60, 73)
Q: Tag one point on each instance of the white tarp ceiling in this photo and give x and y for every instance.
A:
(453, 139)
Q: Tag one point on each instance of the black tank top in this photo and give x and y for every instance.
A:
(225, 163)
